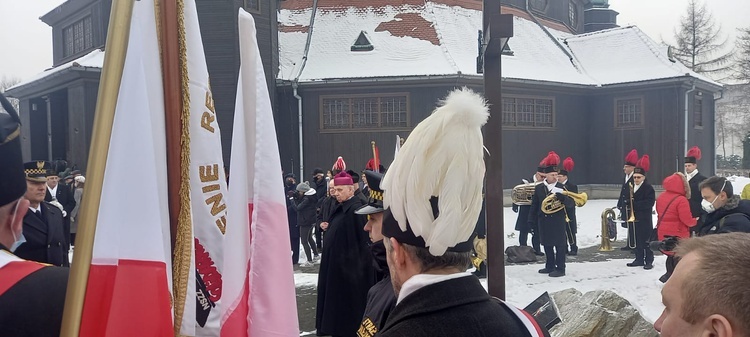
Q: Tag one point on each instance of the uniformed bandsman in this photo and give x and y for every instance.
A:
(624, 201)
(380, 297)
(643, 201)
(552, 227)
(572, 228)
(694, 178)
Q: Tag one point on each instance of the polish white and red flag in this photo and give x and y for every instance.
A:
(129, 284)
(258, 290)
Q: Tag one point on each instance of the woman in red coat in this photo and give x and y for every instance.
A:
(675, 218)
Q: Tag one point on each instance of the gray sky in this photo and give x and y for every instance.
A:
(28, 41)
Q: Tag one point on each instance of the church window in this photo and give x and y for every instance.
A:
(364, 112)
(573, 14)
(78, 37)
(528, 112)
(629, 112)
(698, 112)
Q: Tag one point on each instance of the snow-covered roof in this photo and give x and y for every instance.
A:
(94, 59)
(439, 37)
(623, 55)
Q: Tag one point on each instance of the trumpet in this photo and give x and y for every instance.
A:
(631, 219)
(550, 204)
(605, 245)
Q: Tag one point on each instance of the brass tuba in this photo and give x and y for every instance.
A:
(607, 215)
(522, 194)
(550, 204)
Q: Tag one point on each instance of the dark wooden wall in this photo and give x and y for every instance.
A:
(556, 10)
(584, 129)
(218, 21)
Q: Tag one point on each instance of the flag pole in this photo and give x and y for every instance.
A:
(118, 34)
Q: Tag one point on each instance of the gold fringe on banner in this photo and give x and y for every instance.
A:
(184, 240)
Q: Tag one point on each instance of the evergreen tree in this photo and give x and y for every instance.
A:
(699, 43)
(742, 71)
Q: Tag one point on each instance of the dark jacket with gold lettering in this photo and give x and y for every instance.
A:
(456, 307)
(33, 306)
(380, 298)
(45, 241)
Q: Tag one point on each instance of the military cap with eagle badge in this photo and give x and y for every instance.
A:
(37, 171)
(375, 199)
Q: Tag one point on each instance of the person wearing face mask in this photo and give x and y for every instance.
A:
(380, 298)
(32, 294)
(726, 211)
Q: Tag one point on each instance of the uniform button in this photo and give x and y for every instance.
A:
(58, 244)
(49, 246)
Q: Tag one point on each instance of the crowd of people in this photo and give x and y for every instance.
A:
(394, 254)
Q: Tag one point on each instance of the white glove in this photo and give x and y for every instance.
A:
(58, 205)
(65, 213)
(525, 181)
(556, 190)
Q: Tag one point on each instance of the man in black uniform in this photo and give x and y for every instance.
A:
(43, 224)
(572, 225)
(552, 227)
(32, 295)
(623, 203)
(428, 225)
(60, 195)
(694, 179)
(380, 298)
(644, 198)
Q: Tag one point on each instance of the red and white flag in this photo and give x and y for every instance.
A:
(258, 293)
(208, 189)
(129, 283)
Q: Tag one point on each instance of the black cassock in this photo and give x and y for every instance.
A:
(346, 272)
(45, 241)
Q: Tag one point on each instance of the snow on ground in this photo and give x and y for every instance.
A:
(523, 283)
(641, 287)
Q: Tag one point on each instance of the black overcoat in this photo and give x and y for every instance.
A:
(643, 205)
(573, 224)
(734, 216)
(66, 198)
(552, 227)
(695, 195)
(346, 272)
(33, 306)
(380, 298)
(456, 307)
(306, 209)
(624, 201)
(45, 241)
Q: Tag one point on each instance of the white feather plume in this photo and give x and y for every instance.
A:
(441, 157)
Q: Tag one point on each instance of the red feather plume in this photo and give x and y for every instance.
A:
(632, 157)
(694, 152)
(553, 159)
(543, 163)
(644, 163)
(568, 164)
